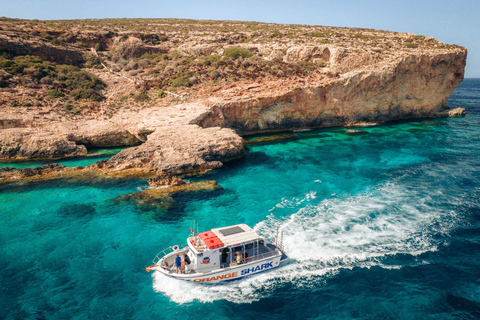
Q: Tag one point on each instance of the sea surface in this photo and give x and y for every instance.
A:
(380, 223)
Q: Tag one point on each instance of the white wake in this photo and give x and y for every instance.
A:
(360, 231)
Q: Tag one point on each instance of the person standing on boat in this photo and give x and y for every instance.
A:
(186, 259)
(178, 263)
(185, 263)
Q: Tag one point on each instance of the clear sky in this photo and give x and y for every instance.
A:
(450, 21)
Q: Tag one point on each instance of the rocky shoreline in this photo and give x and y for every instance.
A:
(349, 78)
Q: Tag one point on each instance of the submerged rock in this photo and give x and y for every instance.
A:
(161, 181)
(269, 139)
(161, 197)
(355, 132)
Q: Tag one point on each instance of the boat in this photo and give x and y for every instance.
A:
(221, 255)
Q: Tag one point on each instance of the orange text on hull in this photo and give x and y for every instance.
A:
(225, 276)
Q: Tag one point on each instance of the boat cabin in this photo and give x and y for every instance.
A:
(218, 248)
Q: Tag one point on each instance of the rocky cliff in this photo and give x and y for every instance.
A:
(180, 91)
(415, 86)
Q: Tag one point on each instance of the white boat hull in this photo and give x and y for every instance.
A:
(228, 274)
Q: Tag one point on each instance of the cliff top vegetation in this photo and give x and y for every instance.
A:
(77, 67)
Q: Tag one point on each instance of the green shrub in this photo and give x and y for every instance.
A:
(80, 83)
(161, 94)
(93, 61)
(317, 34)
(99, 47)
(10, 66)
(276, 33)
(76, 78)
(141, 97)
(88, 94)
(57, 42)
(362, 36)
(72, 109)
(180, 82)
(419, 37)
(154, 57)
(18, 65)
(236, 52)
(410, 45)
(54, 93)
(209, 59)
(214, 74)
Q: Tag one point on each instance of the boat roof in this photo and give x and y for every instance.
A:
(236, 234)
(210, 239)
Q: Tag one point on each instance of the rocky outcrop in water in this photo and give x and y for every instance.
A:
(45, 172)
(454, 113)
(166, 180)
(177, 150)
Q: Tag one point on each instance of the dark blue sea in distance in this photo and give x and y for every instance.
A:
(379, 224)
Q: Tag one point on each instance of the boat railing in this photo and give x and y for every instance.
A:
(167, 251)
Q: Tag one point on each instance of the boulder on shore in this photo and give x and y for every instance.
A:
(177, 150)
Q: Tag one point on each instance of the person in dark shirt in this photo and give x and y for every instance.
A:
(186, 259)
(224, 255)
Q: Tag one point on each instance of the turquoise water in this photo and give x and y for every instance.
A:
(93, 156)
(382, 224)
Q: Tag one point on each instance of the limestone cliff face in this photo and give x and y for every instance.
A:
(414, 86)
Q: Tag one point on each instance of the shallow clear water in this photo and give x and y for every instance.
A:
(382, 224)
(93, 156)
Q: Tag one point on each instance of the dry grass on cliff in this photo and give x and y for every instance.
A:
(191, 59)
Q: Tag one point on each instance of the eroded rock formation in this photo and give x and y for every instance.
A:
(415, 86)
(178, 150)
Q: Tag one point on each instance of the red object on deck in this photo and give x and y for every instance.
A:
(210, 240)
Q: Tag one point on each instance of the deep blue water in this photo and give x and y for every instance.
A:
(384, 224)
